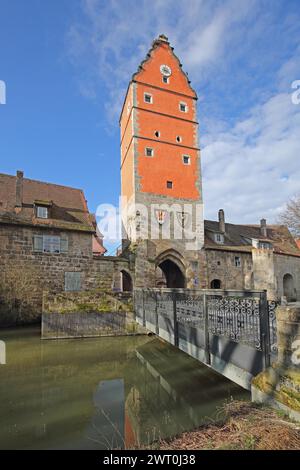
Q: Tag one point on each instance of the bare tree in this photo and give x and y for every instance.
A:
(290, 216)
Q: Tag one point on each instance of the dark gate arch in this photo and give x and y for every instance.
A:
(126, 281)
(172, 268)
(215, 284)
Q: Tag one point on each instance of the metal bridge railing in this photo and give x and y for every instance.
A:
(241, 316)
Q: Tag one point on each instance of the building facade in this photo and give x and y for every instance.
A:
(48, 241)
(252, 257)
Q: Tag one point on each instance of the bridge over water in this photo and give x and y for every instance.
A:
(233, 332)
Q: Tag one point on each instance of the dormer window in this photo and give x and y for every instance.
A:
(219, 238)
(265, 245)
(42, 212)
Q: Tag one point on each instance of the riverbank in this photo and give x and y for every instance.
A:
(245, 426)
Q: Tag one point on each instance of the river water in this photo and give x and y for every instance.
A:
(102, 393)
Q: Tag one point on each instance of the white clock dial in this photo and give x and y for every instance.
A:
(165, 70)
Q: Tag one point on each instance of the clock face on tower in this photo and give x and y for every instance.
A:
(165, 70)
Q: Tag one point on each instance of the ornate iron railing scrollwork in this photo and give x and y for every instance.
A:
(236, 318)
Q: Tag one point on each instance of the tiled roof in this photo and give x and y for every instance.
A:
(235, 238)
(68, 205)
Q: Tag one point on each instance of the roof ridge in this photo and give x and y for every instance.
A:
(53, 184)
(43, 182)
(6, 174)
(246, 225)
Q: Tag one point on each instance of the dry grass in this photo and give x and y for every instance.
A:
(246, 426)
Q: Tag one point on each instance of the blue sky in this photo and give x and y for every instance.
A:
(67, 63)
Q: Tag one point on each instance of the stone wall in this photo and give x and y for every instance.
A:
(87, 314)
(221, 265)
(25, 274)
(264, 271)
(287, 265)
(279, 385)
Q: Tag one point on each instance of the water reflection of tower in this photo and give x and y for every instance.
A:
(111, 426)
(107, 425)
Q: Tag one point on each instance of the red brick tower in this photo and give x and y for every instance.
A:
(160, 171)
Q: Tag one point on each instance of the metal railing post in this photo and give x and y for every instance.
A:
(156, 314)
(134, 304)
(206, 331)
(264, 328)
(176, 341)
(143, 308)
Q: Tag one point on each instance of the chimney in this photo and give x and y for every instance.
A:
(19, 189)
(263, 228)
(221, 221)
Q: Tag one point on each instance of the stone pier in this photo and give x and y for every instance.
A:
(279, 385)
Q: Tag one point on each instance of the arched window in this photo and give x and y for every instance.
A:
(215, 284)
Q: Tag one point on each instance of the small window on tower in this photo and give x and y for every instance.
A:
(179, 139)
(169, 184)
(186, 159)
(149, 152)
(157, 134)
(183, 107)
(148, 98)
(165, 79)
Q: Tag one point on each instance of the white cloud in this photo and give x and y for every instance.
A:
(242, 60)
(114, 36)
(253, 168)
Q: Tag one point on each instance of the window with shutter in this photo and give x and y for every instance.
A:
(38, 243)
(51, 244)
(64, 245)
(72, 281)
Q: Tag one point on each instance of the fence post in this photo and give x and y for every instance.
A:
(264, 328)
(176, 342)
(134, 305)
(206, 331)
(143, 307)
(156, 314)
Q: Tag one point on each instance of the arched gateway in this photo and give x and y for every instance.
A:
(174, 277)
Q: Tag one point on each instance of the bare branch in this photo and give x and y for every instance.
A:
(290, 216)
